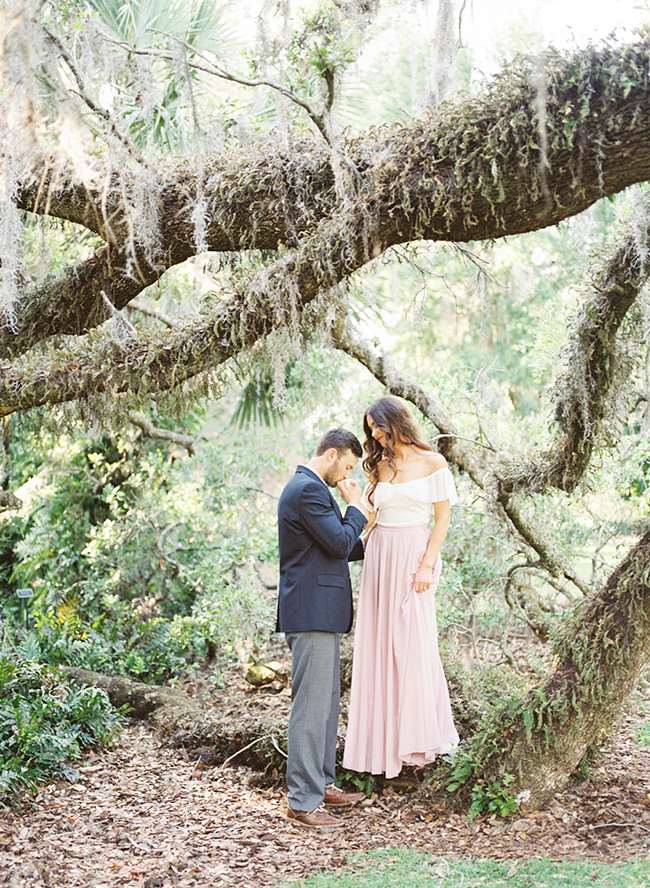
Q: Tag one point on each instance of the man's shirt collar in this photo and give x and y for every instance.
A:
(309, 469)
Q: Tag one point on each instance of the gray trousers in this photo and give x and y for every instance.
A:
(315, 695)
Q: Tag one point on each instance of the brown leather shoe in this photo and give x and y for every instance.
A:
(316, 819)
(340, 798)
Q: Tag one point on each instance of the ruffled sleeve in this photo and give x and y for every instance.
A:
(442, 487)
(365, 502)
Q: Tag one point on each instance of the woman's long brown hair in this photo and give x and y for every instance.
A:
(394, 419)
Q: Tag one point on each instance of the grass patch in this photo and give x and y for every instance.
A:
(643, 734)
(401, 868)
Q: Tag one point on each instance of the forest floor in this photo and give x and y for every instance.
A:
(147, 816)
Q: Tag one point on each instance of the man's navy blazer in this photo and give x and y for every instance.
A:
(316, 543)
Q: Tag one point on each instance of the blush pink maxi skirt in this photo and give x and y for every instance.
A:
(399, 703)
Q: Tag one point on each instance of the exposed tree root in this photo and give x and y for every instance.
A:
(245, 739)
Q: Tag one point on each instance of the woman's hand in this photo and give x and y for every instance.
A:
(423, 578)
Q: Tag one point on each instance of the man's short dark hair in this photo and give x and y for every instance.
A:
(341, 440)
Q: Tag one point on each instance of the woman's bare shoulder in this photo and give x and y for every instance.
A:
(434, 461)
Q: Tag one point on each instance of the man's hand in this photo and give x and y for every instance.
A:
(350, 491)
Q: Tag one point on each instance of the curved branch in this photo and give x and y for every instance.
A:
(151, 431)
(594, 371)
(217, 70)
(453, 447)
(149, 312)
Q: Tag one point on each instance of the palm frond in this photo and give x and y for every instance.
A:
(256, 402)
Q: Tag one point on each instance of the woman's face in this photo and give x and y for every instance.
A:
(377, 433)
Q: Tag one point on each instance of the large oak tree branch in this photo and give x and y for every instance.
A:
(253, 201)
(52, 190)
(74, 301)
(267, 301)
(469, 170)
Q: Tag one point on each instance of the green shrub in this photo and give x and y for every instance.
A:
(139, 565)
(45, 724)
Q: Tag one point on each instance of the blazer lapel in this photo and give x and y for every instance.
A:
(335, 504)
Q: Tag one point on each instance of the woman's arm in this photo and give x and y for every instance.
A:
(424, 574)
(371, 514)
(367, 530)
(372, 520)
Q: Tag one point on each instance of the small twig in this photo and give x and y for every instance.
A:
(460, 24)
(239, 751)
(482, 265)
(118, 315)
(151, 313)
(275, 745)
(100, 112)
(215, 70)
(259, 490)
(595, 558)
(219, 71)
(621, 823)
(487, 446)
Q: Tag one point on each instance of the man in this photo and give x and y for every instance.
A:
(314, 608)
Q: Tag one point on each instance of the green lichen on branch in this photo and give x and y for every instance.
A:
(469, 169)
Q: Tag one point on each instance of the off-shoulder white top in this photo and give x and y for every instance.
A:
(410, 502)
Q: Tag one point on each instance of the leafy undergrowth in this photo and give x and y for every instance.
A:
(399, 868)
(45, 724)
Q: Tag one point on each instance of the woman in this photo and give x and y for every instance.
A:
(399, 705)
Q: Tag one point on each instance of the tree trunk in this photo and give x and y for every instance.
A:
(601, 651)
